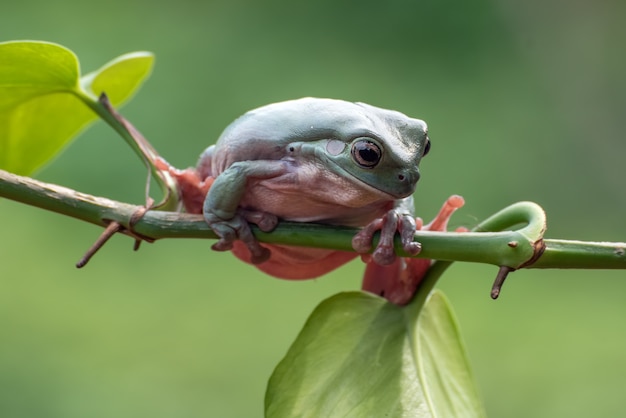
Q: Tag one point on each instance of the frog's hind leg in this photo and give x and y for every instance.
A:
(192, 187)
(205, 163)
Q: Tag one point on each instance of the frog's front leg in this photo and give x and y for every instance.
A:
(399, 219)
(222, 212)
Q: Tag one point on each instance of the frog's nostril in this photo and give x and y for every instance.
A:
(408, 176)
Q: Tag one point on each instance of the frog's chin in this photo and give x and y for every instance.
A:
(385, 193)
(373, 189)
(389, 195)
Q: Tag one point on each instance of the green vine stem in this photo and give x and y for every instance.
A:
(520, 248)
(138, 143)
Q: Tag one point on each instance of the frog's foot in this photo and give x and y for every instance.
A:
(440, 221)
(388, 225)
(398, 281)
(238, 228)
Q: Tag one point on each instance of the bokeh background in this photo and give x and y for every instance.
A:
(525, 99)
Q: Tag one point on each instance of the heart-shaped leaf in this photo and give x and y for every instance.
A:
(360, 356)
(119, 78)
(43, 99)
(442, 362)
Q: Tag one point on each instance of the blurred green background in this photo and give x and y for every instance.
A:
(525, 100)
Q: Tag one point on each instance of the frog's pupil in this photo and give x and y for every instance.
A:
(366, 153)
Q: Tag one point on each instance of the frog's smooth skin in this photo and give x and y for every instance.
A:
(314, 160)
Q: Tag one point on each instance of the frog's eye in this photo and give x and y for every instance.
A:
(426, 147)
(366, 153)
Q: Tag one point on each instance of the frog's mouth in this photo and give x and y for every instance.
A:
(394, 194)
(397, 184)
(370, 183)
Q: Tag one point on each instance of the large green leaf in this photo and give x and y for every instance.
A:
(44, 103)
(360, 356)
(30, 69)
(442, 361)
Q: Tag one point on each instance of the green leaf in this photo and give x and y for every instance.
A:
(30, 69)
(119, 78)
(360, 356)
(442, 362)
(44, 103)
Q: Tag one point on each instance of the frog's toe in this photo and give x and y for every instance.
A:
(258, 253)
(440, 222)
(234, 229)
(222, 245)
(389, 224)
(362, 241)
(227, 236)
(265, 221)
(407, 228)
(384, 254)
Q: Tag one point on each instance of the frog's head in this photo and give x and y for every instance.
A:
(363, 145)
(381, 148)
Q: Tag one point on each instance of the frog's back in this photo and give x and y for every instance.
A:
(263, 133)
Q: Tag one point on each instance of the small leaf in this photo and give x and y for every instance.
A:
(360, 356)
(42, 104)
(119, 78)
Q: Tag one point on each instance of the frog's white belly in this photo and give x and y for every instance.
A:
(317, 202)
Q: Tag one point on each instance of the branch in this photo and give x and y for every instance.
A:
(101, 211)
(521, 248)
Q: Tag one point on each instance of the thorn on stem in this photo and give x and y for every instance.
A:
(110, 230)
(114, 227)
(503, 272)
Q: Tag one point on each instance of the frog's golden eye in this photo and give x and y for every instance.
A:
(426, 147)
(366, 153)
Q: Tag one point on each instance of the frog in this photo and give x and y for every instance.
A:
(316, 160)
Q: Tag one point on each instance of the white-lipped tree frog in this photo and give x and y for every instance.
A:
(316, 160)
